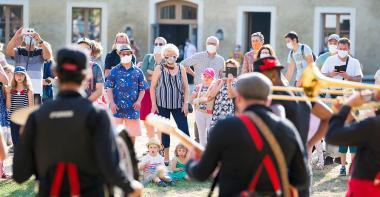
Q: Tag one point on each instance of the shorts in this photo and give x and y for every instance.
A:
(133, 126)
(344, 149)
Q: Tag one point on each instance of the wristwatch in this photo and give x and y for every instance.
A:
(41, 42)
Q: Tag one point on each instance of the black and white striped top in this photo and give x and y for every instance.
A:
(19, 99)
(169, 92)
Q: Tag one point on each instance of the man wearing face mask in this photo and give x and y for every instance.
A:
(126, 85)
(257, 41)
(342, 65)
(332, 43)
(300, 55)
(205, 59)
(202, 60)
(112, 58)
(31, 57)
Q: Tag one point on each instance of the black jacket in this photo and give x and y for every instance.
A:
(231, 145)
(69, 129)
(365, 135)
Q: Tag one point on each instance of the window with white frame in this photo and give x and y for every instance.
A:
(11, 19)
(335, 23)
(86, 22)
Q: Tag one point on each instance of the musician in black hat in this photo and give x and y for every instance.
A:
(246, 156)
(68, 144)
(297, 112)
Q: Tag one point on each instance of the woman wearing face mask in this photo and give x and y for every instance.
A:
(169, 92)
(223, 93)
(149, 63)
(95, 86)
(126, 87)
(257, 41)
(112, 58)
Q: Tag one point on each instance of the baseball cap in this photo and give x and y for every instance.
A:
(266, 63)
(209, 72)
(20, 69)
(333, 37)
(71, 59)
(123, 47)
(254, 81)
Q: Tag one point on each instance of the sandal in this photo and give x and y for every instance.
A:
(161, 184)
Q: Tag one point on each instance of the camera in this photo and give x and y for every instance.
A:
(231, 70)
(28, 31)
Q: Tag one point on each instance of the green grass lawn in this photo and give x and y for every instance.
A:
(325, 183)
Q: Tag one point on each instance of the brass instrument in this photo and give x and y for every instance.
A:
(297, 89)
(314, 83)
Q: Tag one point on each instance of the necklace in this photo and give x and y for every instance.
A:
(169, 67)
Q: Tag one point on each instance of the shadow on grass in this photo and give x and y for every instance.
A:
(182, 187)
(11, 188)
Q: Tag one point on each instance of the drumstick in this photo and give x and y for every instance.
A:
(164, 125)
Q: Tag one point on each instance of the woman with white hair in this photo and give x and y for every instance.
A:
(169, 92)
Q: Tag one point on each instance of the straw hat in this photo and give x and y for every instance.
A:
(153, 141)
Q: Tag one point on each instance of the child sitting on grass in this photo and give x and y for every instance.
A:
(153, 166)
(179, 163)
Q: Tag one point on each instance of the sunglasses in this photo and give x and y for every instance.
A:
(124, 53)
(158, 44)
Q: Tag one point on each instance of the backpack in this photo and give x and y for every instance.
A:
(303, 53)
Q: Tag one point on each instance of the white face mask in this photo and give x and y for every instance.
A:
(342, 53)
(157, 49)
(289, 45)
(171, 60)
(126, 59)
(333, 48)
(29, 41)
(211, 48)
(264, 55)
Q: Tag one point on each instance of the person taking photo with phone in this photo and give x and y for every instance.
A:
(223, 92)
(30, 51)
(342, 65)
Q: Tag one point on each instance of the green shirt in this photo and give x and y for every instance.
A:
(321, 59)
(148, 64)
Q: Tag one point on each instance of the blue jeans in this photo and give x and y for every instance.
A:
(15, 133)
(180, 119)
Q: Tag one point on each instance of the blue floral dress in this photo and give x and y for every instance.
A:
(4, 122)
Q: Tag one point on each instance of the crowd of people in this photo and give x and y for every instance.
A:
(229, 98)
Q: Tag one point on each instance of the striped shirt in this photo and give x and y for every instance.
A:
(169, 92)
(33, 62)
(19, 99)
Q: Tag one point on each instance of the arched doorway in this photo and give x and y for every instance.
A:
(177, 21)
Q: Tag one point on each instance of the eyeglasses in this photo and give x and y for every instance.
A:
(174, 57)
(158, 44)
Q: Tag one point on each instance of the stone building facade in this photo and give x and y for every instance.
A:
(62, 21)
